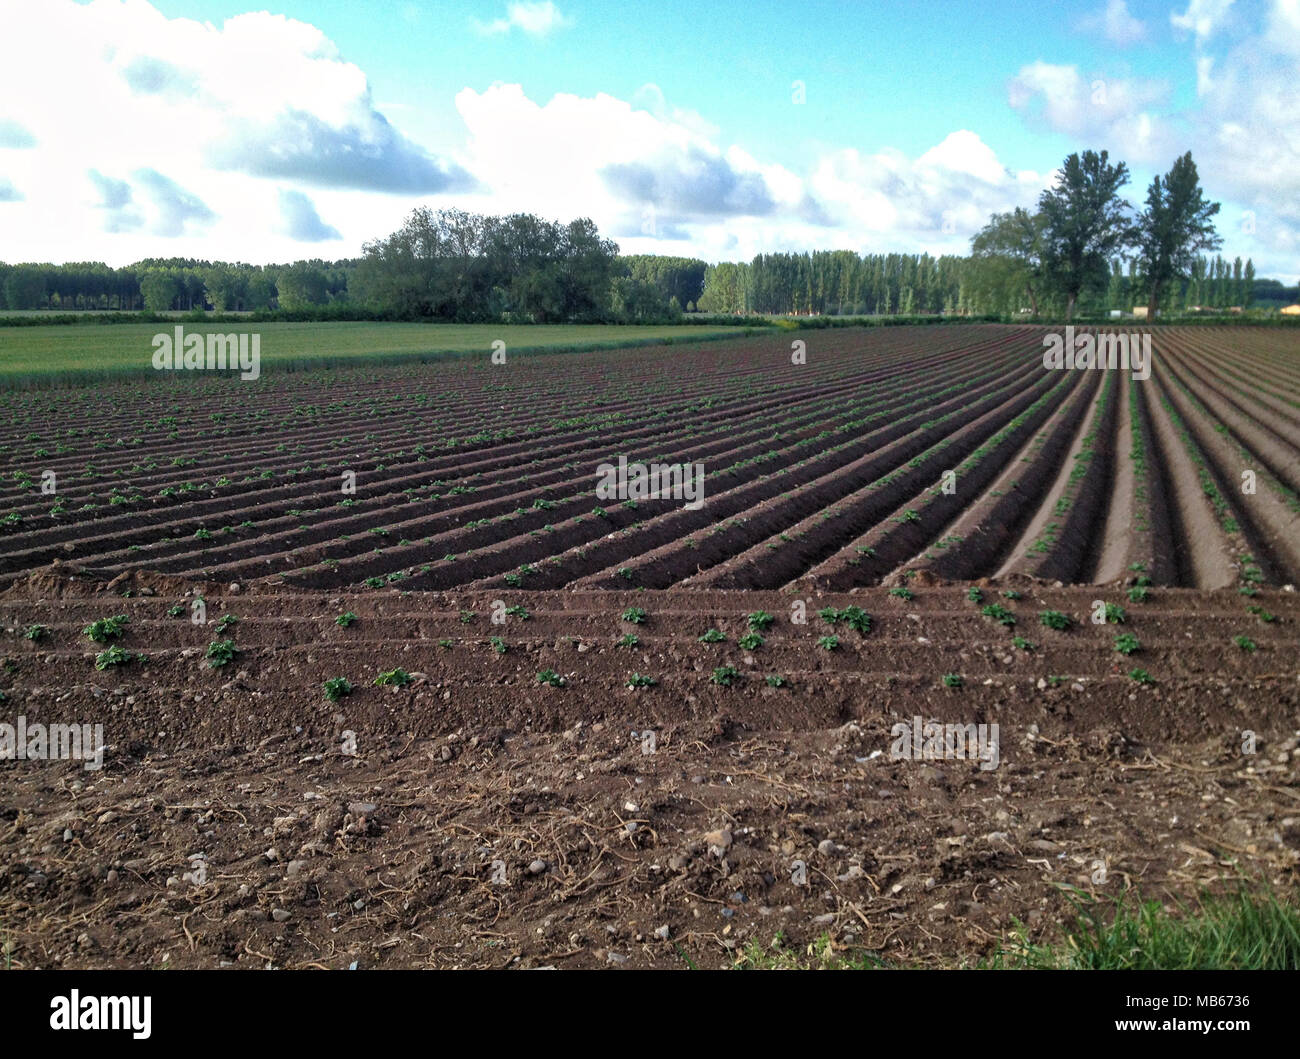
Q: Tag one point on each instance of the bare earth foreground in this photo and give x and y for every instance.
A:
(475, 817)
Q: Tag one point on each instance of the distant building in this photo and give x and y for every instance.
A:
(1291, 310)
(1140, 311)
(1115, 314)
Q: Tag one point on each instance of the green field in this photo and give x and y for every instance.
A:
(35, 355)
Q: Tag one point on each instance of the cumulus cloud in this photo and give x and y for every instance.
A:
(648, 173)
(13, 135)
(1116, 23)
(367, 154)
(936, 201)
(1248, 133)
(535, 19)
(1203, 18)
(634, 172)
(117, 202)
(301, 221)
(1244, 132)
(173, 206)
(1121, 113)
(149, 76)
(257, 95)
(113, 194)
(690, 182)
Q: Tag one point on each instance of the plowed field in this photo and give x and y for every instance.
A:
(478, 815)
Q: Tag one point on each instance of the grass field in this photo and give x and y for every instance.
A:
(33, 354)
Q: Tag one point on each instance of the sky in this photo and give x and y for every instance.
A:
(201, 128)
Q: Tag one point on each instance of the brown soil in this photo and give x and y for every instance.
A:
(489, 821)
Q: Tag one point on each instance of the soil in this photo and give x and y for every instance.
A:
(475, 818)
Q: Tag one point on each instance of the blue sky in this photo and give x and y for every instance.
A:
(309, 128)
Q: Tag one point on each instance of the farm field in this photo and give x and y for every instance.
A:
(34, 355)
(826, 474)
(493, 800)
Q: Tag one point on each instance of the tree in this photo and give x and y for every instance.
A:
(1010, 248)
(224, 288)
(587, 266)
(300, 285)
(1176, 225)
(159, 288)
(25, 287)
(1085, 224)
(676, 277)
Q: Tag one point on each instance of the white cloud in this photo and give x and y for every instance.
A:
(13, 135)
(1244, 132)
(535, 19)
(935, 202)
(1203, 18)
(223, 114)
(259, 110)
(174, 207)
(1282, 28)
(301, 221)
(1117, 113)
(1116, 23)
(651, 177)
(1204, 68)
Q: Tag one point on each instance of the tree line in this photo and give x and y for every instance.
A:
(1083, 248)
(445, 265)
